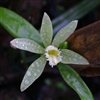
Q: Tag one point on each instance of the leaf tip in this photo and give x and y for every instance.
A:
(76, 21)
(45, 14)
(22, 88)
(14, 41)
(12, 44)
(11, 41)
(87, 63)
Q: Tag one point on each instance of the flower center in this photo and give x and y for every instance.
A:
(53, 55)
(53, 52)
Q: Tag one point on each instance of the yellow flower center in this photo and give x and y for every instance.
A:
(53, 52)
(53, 55)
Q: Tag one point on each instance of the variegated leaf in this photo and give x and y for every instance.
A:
(17, 26)
(71, 57)
(64, 33)
(75, 82)
(28, 45)
(33, 72)
(46, 31)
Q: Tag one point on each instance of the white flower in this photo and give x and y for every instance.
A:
(53, 55)
(49, 52)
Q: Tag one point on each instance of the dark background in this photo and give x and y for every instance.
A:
(50, 85)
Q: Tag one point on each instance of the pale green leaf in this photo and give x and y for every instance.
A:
(71, 57)
(33, 72)
(46, 31)
(75, 82)
(64, 33)
(28, 45)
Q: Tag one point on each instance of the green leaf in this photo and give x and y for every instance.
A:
(46, 31)
(33, 72)
(18, 26)
(64, 45)
(28, 45)
(76, 12)
(75, 81)
(64, 33)
(71, 57)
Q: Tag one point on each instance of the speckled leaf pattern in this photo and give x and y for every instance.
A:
(33, 72)
(71, 57)
(18, 26)
(46, 31)
(28, 45)
(64, 33)
(75, 81)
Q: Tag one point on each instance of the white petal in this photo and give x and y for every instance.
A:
(28, 45)
(70, 57)
(33, 72)
(64, 33)
(46, 31)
